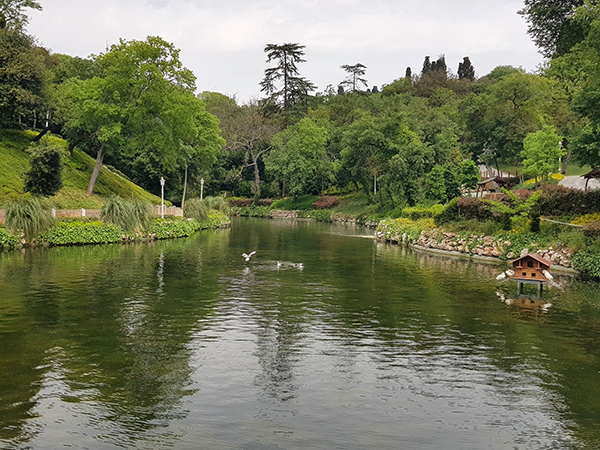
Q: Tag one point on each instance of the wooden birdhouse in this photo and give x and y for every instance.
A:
(531, 268)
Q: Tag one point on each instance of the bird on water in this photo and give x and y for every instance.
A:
(247, 257)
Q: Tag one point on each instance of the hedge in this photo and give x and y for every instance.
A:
(80, 233)
(7, 240)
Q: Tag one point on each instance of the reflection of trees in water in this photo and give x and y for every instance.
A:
(277, 353)
(123, 322)
(554, 347)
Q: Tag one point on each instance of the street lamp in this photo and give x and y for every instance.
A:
(162, 198)
(201, 188)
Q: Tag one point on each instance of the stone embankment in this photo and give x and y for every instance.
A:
(283, 214)
(475, 245)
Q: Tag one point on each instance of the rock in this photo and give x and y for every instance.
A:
(524, 252)
(510, 255)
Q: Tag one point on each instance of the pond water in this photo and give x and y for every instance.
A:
(183, 345)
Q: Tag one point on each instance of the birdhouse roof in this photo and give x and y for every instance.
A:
(594, 173)
(535, 256)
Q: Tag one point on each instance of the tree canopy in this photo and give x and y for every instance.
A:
(141, 112)
(12, 14)
(282, 83)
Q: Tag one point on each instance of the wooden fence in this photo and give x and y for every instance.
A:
(171, 211)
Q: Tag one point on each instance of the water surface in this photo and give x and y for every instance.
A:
(183, 345)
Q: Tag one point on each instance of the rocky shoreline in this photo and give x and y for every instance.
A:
(474, 245)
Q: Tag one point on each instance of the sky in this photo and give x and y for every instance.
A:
(223, 42)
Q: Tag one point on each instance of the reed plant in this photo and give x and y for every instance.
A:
(131, 215)
(196, 209)
(218, 204)
(29, 216)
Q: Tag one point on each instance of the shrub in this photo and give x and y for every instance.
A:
(265, 202)
(45, 176)
(195, 209)
(588, 262)
(474, 208)
(449, 214)
(291, 204)
(80, 233)
(30, 216)
(7, 239)
(592, 230)
(586, 219)
(319, 215)
(174, 228)
(129, 215)
(422, 212)
(239, 202)
(326, 202)
(559, 200)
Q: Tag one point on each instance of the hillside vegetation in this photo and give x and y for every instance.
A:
(78, 166)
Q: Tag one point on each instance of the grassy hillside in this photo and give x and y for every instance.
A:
(14, 162)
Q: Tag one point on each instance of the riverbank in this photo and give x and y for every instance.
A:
(81, 232)
(424, 235)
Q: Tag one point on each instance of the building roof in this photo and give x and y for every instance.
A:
(497, 179)
(537, 257)
(594, 173)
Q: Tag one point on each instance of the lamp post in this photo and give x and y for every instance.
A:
(201, 188)
(162, 198)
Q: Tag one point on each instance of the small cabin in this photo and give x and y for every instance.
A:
(492, 185)
(531, 268)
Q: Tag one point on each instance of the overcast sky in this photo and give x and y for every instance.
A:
(223, 42)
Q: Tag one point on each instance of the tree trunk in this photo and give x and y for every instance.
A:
(256, 177)
(563, 170)
(41, 134)
(96, 171)
(184, 187)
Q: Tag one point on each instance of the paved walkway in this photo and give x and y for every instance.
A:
(577, 182)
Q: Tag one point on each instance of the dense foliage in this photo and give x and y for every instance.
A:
(45, 176)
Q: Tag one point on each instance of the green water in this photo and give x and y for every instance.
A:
(184, 345)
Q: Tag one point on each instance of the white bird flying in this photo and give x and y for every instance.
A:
(247, 257)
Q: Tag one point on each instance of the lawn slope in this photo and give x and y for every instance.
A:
(14, 162)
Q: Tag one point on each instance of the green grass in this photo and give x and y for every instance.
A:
(290, 204)
(14, 162)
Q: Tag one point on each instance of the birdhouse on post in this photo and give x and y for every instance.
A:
(531, 268)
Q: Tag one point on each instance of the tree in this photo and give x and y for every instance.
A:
(245, 129)
(433, 76)
(12, 15)
(541, 152)
(22, 77)
(298, 158)
(45, 176)
(499, 120)
(552, 25)
(436, 184)
(355, 72)
(293, 88)
(468, 174)
(426, 65)
(466, 71)
(139, 113)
